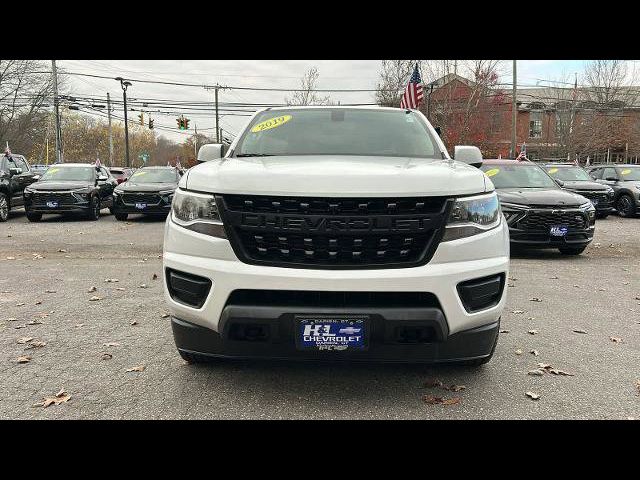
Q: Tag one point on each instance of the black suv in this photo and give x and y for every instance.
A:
(70, 188)
(149, 191)
(539, 213)
(15, 175)
(576, 179)
(625, 181)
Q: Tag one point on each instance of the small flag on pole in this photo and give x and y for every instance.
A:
(523, 153)
(7, 150)
(413, 94)
(98, 164)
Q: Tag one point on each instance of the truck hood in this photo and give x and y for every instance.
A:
(584, 185)
(540, 197)
(60, 185)
(336, 175)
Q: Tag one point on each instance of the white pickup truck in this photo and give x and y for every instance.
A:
(336, 233)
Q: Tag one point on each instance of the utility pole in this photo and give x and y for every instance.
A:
(195, 141)
(110, 134)
(124, 84)
(514, 113)
(57, 110)
(215, 88)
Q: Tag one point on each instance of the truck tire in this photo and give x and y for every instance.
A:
(4, 208)
(626, 205)
(34, 217)
(194, 357)
(94, 209)
(571, 250)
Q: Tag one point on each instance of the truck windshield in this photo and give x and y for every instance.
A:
(69, 173)
(518, 176)
(632, 173)
(568, 174)
(339, 131)
(153, 175)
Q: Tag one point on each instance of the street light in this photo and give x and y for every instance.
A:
(124, 84)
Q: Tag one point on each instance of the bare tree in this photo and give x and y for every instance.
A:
(394, 76)
(25, 94)
(307, 94)
(610, 81)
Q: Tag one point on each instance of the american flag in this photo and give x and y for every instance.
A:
(412, 95)
(98, 164)
(7, 151)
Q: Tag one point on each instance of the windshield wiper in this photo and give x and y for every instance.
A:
(255, 155)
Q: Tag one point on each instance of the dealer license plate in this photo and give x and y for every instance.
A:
(141, 206)
(559, 230)
(332, 334)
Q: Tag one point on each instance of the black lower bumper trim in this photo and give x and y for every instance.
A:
(470, 344)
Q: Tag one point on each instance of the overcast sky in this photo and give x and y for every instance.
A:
(354, 74)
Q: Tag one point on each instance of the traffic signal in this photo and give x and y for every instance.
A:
(186, 124)
(150, 124)
(180, 121)
(141, 117)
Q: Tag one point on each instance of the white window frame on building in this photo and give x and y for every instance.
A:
(535, 123)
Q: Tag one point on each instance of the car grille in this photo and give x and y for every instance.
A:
(63, 198)
(333, 232)
(148, 198)
(545, 220)
(601, 197)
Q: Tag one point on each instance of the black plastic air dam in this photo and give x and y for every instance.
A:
(481, 293)
(186, 288)
(470, 344)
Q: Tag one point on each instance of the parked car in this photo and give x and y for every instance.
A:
(625, 181)
(149, 191)
(70, 188)
(121, 174)
(15, 176)
(539, 213)
(336, 233)
(576, 179)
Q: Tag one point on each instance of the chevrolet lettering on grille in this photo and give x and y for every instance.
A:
(337, 224)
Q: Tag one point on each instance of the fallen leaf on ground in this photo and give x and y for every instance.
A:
(133, 322)
(433, 400)
(638, 386)
(518, 312)
(139, 368)
(544, 365)
(78, 325)
(60, 397)
(92, 289)
(37, 256)
(95, 298)
(555, 371)
(23, 359)
(11, 258)
(555, 277)
(537, 372)
(37, 344)
(35, 322)
(120, 288)
(111, 344)
(579, 331)
(49, 291)
(531, 318)
(532, 332)
(616, 339)
(504, 331)
(19, 304)
(432, 383)
(535, 299)
(111, 280)
(455, 388)
(23, 340)
(38, 303)
(532, 395)
(143, 285)
(518, 352)
(106, 356)
(534, 352)
(154, 277)
(62, 250)
(165, 315)
(20, 326)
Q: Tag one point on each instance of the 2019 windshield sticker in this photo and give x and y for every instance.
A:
(553, 170)
(271, 123)
(492, 172)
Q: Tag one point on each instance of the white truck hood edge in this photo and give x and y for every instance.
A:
(329, 175)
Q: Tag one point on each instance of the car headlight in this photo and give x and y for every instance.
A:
(167, 195)
(590, 209)
(82, 193)
(472, 215)
(197, 212)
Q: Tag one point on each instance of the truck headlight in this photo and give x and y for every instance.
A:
(167, 195)
(472, 215)
(197, 212)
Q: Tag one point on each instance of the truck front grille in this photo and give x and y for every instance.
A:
(349, 233)
(148, 198)
(545, 220)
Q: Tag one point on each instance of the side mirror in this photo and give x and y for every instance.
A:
(212, 151)
(611, 179)
(102, 178)
(559, 182)
(468, 154)
(15, 171)
(36, 177)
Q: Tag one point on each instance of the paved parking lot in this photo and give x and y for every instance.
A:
(48, 269)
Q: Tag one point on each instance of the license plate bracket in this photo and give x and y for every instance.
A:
(559, 230)
(141, 206)
(336, 333)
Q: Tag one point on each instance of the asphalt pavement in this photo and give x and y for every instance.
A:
(83, 341)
